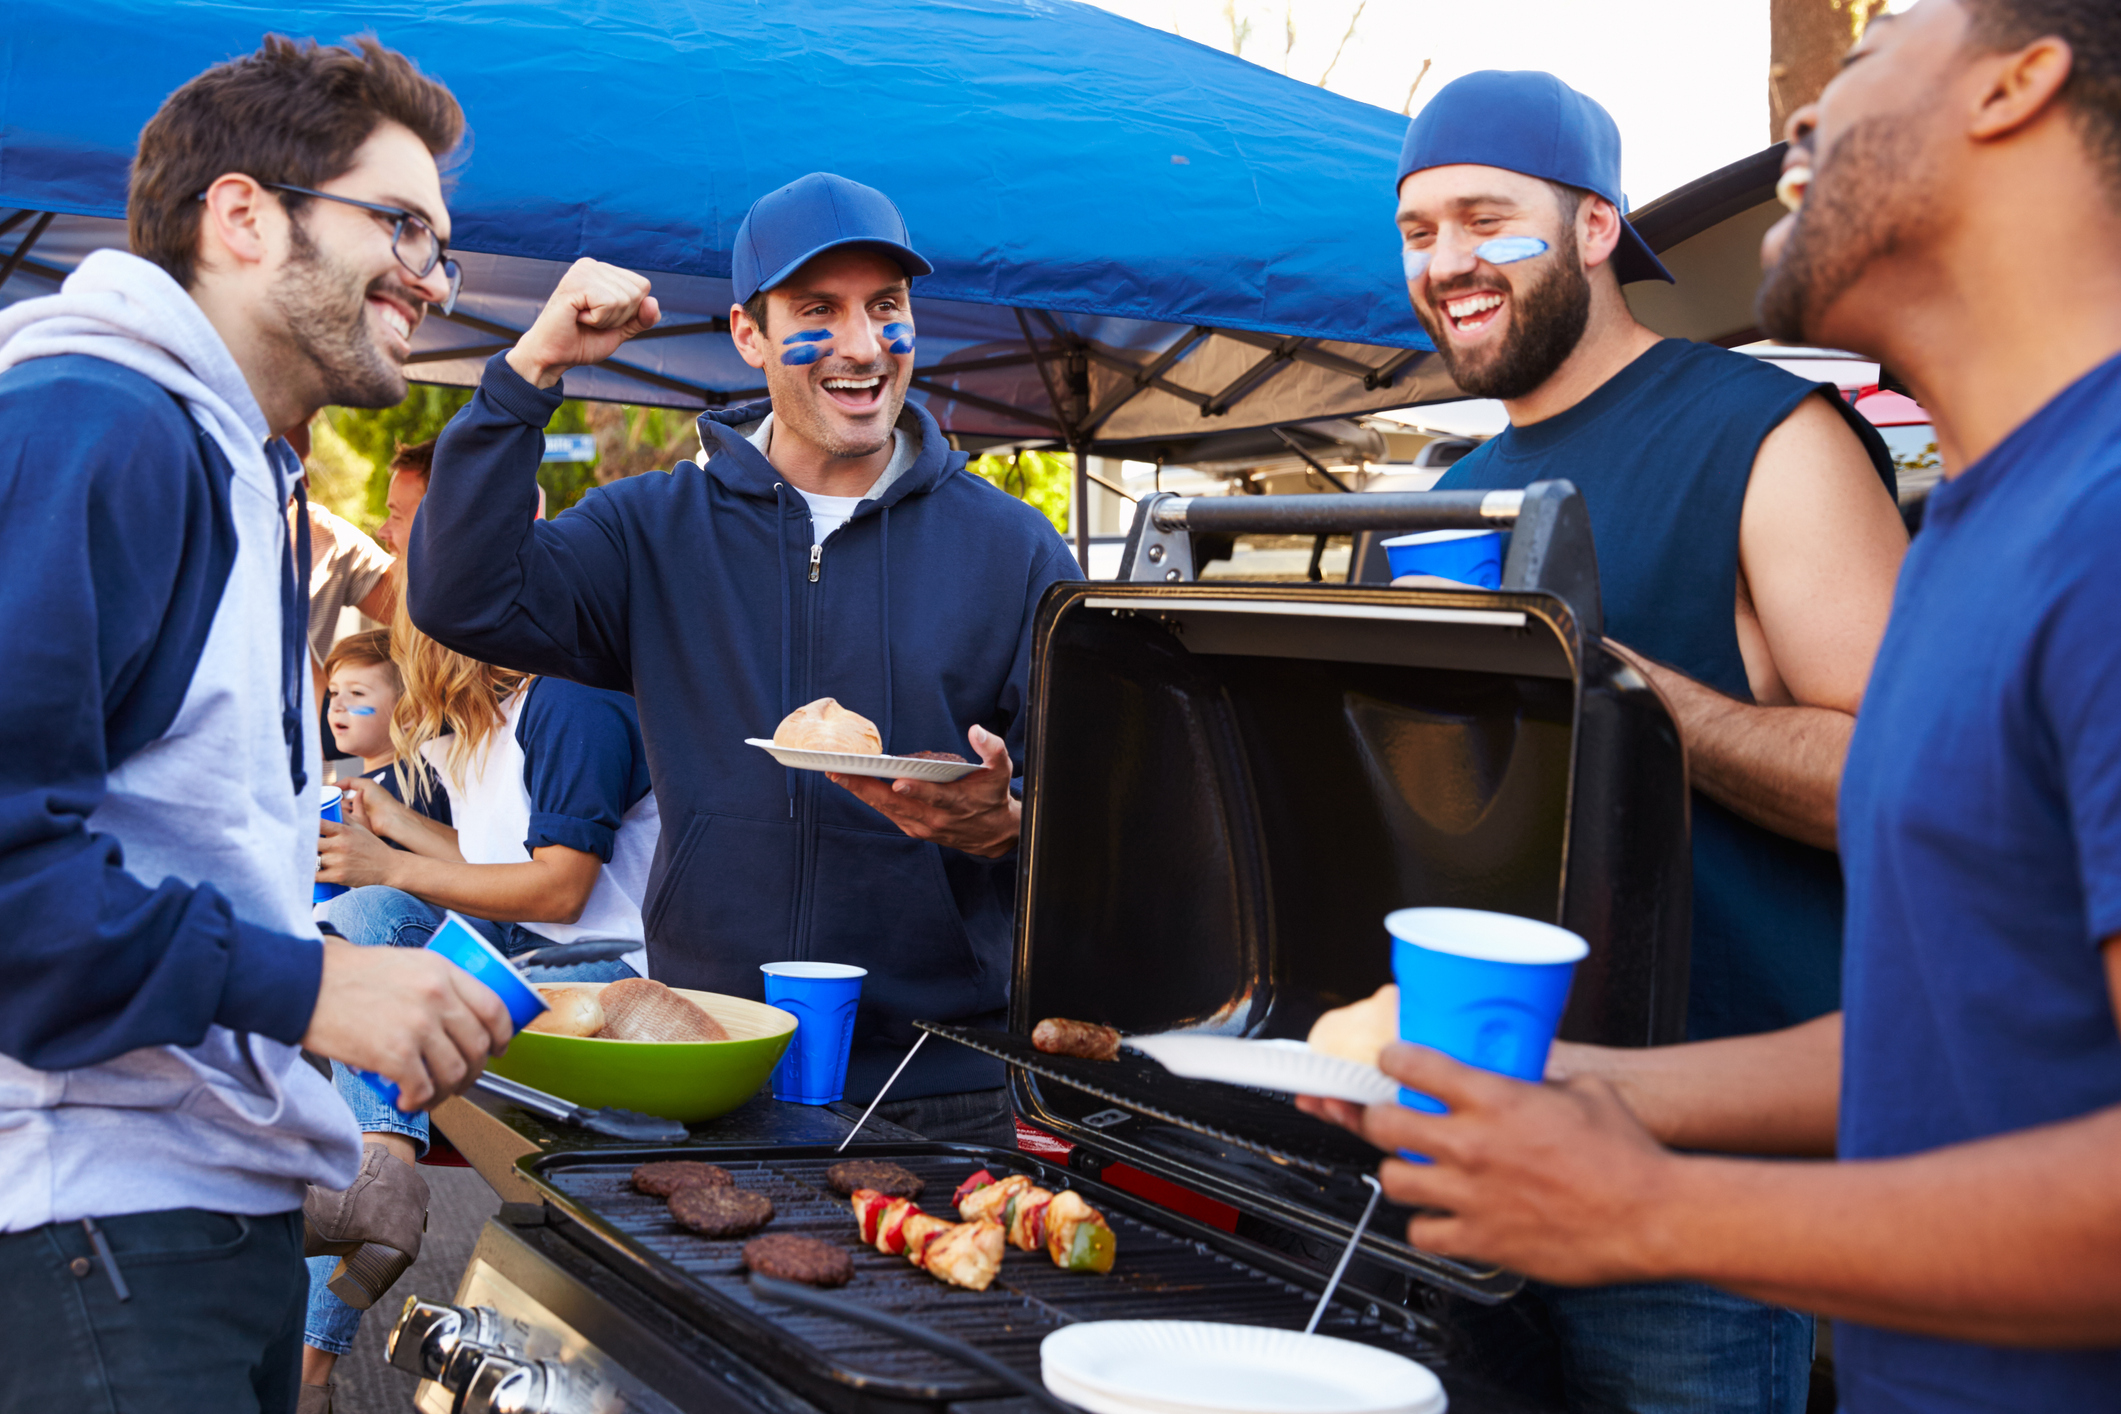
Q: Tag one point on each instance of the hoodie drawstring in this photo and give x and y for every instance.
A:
(780, 545)
(883, 609)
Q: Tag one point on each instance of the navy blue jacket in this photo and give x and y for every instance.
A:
(692, 591)
(118, 538)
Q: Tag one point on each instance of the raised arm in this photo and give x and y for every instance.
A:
(484, 575)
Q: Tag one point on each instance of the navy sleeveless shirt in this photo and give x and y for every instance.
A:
(1662, 453)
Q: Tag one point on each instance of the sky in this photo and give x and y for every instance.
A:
(1686, 80)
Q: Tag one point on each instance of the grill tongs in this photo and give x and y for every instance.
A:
(619, 1124)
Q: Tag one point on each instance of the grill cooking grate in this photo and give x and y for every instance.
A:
(1159, 1275)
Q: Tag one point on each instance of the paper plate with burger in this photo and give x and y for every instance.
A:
(824, 736)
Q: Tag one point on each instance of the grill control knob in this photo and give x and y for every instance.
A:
(505, 1384)
(464, 1362)
(428, 1332)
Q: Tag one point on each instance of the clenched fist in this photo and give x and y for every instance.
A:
(596, 308)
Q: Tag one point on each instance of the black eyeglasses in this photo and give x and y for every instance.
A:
(412, 240)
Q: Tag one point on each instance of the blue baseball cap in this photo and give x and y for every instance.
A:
(809, 216)
(1530, 122)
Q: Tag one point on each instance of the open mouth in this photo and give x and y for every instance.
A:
(1472, 313)
(1793, 184)
(856, 394)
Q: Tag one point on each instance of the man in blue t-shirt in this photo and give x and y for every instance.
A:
(1724, 495)
(1962, 223)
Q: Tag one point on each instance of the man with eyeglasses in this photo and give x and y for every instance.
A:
(159, 771)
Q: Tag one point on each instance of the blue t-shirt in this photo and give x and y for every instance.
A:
(1981, 837)
(584, 765)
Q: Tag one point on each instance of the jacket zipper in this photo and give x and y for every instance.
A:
(807, 854)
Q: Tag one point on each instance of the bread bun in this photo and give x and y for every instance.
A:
(1359, 1032)
(640, 1010)
(824, 725)
(570, 1011)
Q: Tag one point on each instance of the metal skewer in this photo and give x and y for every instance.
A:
(881, 1093)
(1377, 1191)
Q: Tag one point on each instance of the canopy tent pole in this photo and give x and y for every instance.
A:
(1079, 508)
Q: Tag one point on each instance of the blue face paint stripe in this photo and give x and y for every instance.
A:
(1503, 250)
(807, 353)
(809, 336)
(898, 338)
(362, 711)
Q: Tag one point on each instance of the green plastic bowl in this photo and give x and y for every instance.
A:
(686, 1080)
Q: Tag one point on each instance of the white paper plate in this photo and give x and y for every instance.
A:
(847, 763)
(1207, 1367)
(1269, 1065)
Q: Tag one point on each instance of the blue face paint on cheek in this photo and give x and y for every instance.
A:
(361, 711)
(808, 346)
(898, 338)
(1416, 263)
(1508, 250)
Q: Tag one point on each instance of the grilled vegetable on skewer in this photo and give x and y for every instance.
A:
(1077, 1236)
(988, 1202)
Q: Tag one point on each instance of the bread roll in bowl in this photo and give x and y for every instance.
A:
(637, 1009)
(824, 725)
(571, 1010)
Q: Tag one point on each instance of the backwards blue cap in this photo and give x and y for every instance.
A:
(1530, 122)
(809, 216)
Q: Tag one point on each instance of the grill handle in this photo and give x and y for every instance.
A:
(1550, 543)
(794, 1294)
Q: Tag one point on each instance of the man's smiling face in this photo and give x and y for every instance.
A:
(1502, 329)
(836, 349)
(346, 307)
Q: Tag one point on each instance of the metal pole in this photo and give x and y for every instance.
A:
(1079, 507)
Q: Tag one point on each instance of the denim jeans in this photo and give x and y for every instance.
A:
(968, 1117)
(1650, 1348)
(379, 916)
(214, 1323)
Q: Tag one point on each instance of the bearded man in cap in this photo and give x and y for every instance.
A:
(833, 545)
(1747, 543)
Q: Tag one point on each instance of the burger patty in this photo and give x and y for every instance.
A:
(887, 1179)
(937, 756)
(721, 1212)
(795, 1258)
(660, 1180)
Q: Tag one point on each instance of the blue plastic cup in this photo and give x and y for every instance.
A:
(823, 997)
(1484, 988)
(1468, 556)
(329, 812)
(462, 944)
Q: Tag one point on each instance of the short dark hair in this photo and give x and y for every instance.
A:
(417, 459)
(756, 308)
(292, 113)
(2092, 29)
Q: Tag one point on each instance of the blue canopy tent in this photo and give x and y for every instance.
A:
(1142, 245)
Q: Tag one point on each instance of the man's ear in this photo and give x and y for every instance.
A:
(2020, 87)
(750, 340)
(240, 224)
(1597, 230)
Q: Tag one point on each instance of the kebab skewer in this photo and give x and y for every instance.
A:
(966, 1254)
(1074, 1234)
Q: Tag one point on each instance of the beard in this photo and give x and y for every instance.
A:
(1867, 202)
(1547, 318)
(796, 406)
(324, 308)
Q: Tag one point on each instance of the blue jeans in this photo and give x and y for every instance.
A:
(1651, 1348)
(379, 916)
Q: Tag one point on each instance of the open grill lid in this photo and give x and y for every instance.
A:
(1228, 785)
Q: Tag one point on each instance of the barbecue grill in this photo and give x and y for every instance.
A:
(1227, 788)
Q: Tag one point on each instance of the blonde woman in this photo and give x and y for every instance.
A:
(554, 826)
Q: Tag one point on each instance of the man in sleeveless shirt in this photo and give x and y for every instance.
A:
(1747, 542)
(1960, 220)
